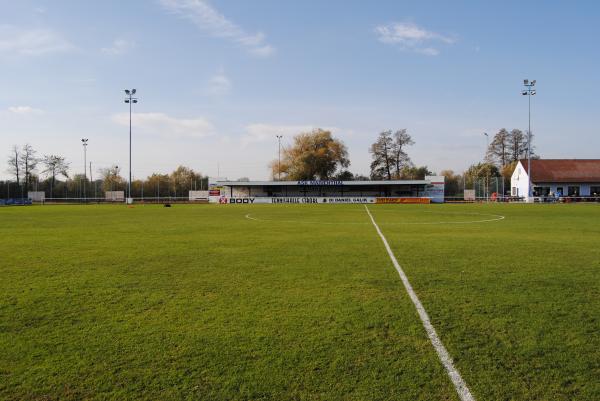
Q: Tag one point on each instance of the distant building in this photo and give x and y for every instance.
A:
(559, 177)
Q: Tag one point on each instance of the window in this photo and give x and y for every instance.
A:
(595, 190)
(573, 191)
(559, 191)
(541, 191)
(515, 191)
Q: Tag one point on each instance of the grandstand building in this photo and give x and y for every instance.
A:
(431, 189)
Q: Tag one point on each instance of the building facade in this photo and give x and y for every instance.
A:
(431, 189)
(557, 178)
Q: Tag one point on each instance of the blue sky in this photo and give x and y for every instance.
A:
(218, 79)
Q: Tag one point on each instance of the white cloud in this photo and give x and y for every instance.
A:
(24, 110)
(32, 42)
(219, 84)
(119, 46)
(409, 36)
(210, 20)
(161, 124)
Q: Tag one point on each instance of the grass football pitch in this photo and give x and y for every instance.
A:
(293, 302)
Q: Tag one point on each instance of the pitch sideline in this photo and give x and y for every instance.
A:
(459, 384)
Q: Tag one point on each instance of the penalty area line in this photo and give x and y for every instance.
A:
(459, 384)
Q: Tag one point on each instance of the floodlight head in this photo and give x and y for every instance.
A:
(533, 82)
(525, 81)
(533, 93)
(522, 93)
(133, 91)
(127, 91)
(126, 100)
(134, 100)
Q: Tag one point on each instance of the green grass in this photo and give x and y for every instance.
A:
(197, 302)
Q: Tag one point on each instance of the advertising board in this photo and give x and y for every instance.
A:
(402, 201)
(198, 195)
(306, 200)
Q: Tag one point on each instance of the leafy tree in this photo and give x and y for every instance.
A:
(414, 173)
(157, 184)
(481, 170)
(182, 179)
(75, 185)
(507, 171)
(313, 155)
(452, 183)
(54, 165)
(360, 177)
(344, 175)
(111, 179)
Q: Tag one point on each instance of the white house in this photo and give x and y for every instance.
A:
(562, 177)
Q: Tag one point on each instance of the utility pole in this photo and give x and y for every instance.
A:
(279, 158)
(486, 160)
(92, 180)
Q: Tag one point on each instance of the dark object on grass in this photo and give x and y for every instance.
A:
(167, 205)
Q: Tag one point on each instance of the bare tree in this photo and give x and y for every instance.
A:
(382, 152)
(518, 143)
(14, 164)
(401, 140)
(54, 165)
(499, 150)
(389, 154)
(28, 161)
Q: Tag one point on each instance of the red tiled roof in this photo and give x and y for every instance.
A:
(564, 170)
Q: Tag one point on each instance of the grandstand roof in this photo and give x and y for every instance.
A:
(564, 170)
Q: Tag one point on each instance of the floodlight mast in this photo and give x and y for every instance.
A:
(529, 91)
(84, 142)
(130, 99)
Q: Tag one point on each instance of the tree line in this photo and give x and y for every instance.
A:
(317, 155)
(501, 157)
(49, 173)
(314, 155)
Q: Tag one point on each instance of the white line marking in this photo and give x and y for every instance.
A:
(497, 217)
(459, 384)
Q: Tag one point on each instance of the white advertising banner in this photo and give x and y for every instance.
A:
(303, 200)
(36, 196)
(115, 196)
(198, 195)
